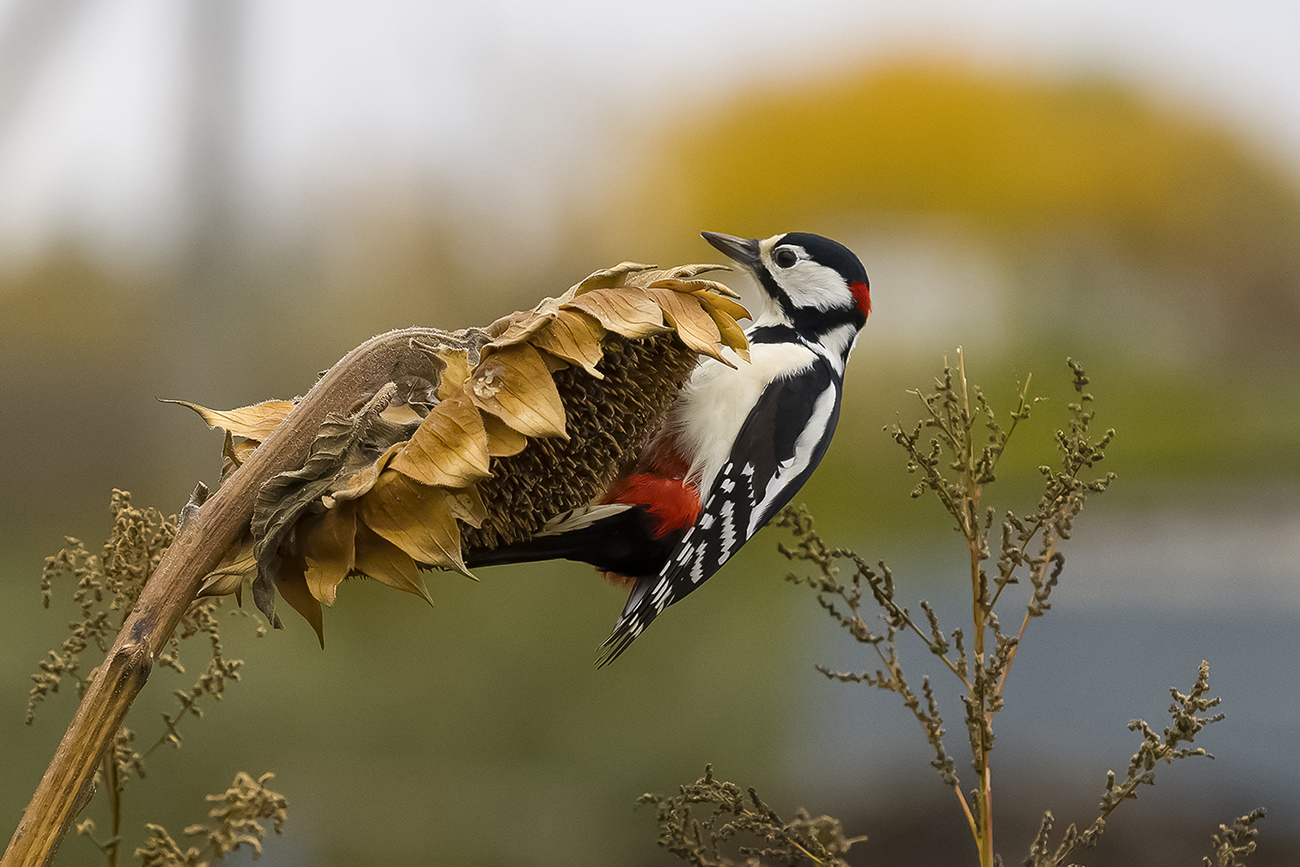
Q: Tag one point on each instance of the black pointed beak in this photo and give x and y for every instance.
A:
(742, 250)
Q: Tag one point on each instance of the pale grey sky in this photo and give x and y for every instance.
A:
(503, 99)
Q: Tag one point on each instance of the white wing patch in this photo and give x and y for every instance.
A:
(812, 434)
(728, 514)
(661, 593)
(697, 569)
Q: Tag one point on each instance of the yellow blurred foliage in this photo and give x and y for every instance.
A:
(1017, 158)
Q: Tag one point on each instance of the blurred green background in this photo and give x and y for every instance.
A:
(214, 201)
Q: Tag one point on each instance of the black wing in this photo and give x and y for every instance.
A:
(778, 447)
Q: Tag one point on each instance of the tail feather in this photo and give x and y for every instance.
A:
(634, 530)
(636, 616)
(531, 550)
(614, 646)
(598, 534)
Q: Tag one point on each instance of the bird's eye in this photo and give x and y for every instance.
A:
(785, 257)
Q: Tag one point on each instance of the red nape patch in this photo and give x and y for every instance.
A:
(674, 504)
(862, 293)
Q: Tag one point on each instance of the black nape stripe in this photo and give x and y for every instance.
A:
(772, 334)
(813, 324)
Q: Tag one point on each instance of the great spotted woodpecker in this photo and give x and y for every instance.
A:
(737, 444)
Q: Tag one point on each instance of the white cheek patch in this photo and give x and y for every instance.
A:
(812, 285)
(807, 283)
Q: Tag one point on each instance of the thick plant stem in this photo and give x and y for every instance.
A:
(986, 823)
(199, 545)
(114, 792)
(980, 610)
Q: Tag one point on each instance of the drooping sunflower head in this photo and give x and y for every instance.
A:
(484, 438)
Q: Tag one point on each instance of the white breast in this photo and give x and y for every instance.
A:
(717, 399)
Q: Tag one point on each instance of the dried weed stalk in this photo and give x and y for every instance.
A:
(1232, 845)
(955, 449)
(731, 816)
(105, 586)
(236, 822)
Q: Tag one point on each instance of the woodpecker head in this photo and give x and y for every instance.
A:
(811, 283)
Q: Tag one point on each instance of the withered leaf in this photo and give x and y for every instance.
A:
(505, 324)
(293, 588)
(351, 486)
(554, 363)
(401, 414)
(713, 287)
(450, 447)
(380, 559)
(514, 385)
(624, 311)
(327, 545)
(608, 278)
(417, 518)
(690, 272)
(254, 422)
(694, 326)
(466, 504)
(503, 440)
(232, 455)
(287, 496)
(520, 327)
(673, 281)
(454, 374)
(574, 336)
(732, 334)
(721, 304)
(228, 576)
